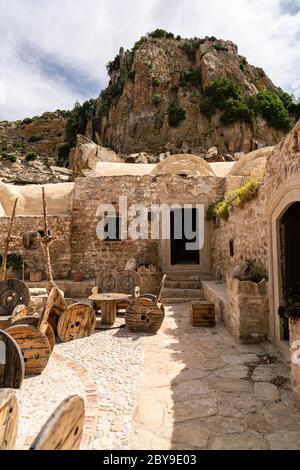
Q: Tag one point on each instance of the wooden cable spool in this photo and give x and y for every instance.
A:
(13, 292)
(34, 321)
(12, 367)
(108, 281)
(64, 428)
(78, 321)
(31, 240)
(144, 316)
(9, 415)
(34, 345)
(127, 281)
(19, 312)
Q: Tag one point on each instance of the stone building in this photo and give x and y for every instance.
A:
(265, 229)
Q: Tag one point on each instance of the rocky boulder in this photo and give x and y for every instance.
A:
(85, 156)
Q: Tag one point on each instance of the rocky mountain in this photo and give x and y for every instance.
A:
(167, 95)
(29, 149)
(187, 95)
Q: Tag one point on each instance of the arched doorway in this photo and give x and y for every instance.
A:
(289, 227)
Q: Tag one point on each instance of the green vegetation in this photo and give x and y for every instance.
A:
(192, 77)
(217, 94)
(35, 138)
(220, 47)
(76, 124)
(176, 115)
(156, 82)
(131, 75)
(13, 261)
(27, 121)
(160, 33)
(270, 106)
(156, 100)
(19, 145)
(227, 96)
(189, 46)
(237, 110)
(237, 198)
(31, 156)
(9, 157)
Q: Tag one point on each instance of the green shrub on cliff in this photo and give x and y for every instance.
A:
(76, 124)
(236, 110)
(176, 115)
(272, 109)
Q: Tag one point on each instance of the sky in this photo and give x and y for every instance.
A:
(54, 52)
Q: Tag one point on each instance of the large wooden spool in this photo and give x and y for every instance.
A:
(34, 320)
(12, 367)
(9, 416)
(78, 321)
(128, 281)
(13, 292)
(144, 316)
(108, 281)
(64, 429)
(31, 240)
(34, 345)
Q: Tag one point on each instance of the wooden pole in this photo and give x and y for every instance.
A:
(46, 241)
(7, 241)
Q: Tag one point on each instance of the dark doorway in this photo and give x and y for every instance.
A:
(290, 257)
(179, 252)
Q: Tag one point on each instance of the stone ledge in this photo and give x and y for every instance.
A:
(216, 293)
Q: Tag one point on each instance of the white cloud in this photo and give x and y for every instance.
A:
(81, 37)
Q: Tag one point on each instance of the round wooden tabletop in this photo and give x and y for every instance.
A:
(106, 297)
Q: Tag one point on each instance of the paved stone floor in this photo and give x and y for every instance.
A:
(201, 389)
(184, 388)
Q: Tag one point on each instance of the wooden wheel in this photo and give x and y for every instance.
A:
(31, 241)
(13, 292)
(12, 367)
(78, 321)
(34, 321)
(64, 428)
(108, 281)
(144, 316)
(34, 345)
(128, 281)
(9, 415)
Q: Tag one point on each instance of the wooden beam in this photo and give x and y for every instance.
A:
(7, 242)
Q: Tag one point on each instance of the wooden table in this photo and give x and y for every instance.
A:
(108, 305)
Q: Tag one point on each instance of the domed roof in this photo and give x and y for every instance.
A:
(183, 164)
(253, 164)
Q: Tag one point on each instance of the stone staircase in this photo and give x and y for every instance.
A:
(182, 286)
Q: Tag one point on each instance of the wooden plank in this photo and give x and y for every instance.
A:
(9, 415)
(7, 242)
(64, 429)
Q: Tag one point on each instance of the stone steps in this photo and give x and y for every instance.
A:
(170, 293)
(183, 284)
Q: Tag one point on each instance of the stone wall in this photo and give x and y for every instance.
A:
(247, 229)
(247, 310)
(90, 254)
(60, 250)
(295, 357)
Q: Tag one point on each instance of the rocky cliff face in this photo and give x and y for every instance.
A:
(166, 76)
(29, 149)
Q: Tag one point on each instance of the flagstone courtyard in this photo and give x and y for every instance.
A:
(184, 388)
